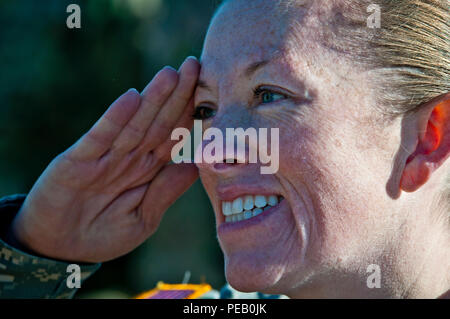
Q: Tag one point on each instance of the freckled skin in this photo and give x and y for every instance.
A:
(334, 162)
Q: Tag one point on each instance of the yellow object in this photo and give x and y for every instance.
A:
(175, 291)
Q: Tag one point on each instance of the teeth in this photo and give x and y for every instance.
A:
(248, 202)
(257, 211)
(260, 201)
(226, 208)
(273, 200)
(237, 206)
(248, 206)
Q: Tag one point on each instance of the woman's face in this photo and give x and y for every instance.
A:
(334, 160)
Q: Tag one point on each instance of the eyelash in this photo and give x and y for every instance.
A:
(257, 92)
(197, 112)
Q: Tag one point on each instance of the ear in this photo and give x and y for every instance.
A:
(431, 126)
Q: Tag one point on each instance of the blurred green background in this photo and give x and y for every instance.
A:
(56, 82)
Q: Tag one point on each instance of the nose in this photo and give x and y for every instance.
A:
(221, 156)
(230, 143)
(228, 163)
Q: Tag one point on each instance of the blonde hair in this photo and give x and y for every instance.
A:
(410, 50)
(413, 48)
(409, 53)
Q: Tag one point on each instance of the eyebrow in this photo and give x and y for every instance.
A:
(252, 68)
(202, 84)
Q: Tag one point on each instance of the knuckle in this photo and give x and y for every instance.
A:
(181, 98)
(166, 80)
(133, 131)
(162, 128)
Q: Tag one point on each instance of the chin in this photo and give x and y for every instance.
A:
(248, 274)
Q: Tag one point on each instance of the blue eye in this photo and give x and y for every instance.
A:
(269, 97)
(266, 96)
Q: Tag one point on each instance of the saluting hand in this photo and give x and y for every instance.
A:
(107, 193)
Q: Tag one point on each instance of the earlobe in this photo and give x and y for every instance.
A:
(416, 173)
(433, 145)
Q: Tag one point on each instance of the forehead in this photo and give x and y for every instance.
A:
(298, 41)
(257, 28)
(243, 32)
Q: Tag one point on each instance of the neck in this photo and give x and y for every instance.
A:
(425, 264)
(416, 265)
(423, 255)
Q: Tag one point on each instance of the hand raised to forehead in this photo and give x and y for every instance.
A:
(107, 193)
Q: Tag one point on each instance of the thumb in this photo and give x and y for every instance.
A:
(170, 183)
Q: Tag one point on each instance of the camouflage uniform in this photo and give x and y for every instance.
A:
(26, 276)
(23, 275)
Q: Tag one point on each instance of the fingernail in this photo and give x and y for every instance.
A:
(189, 57)
(128, 91)
(167, 67)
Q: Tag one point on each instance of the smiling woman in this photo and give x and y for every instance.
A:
(376, 124)
(364, 139)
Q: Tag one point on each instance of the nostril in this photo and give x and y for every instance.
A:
(229, 161)
(225, 164)
(220, 166)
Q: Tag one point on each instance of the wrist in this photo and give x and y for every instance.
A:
(9, 209)
(16, 235)
(12, 239)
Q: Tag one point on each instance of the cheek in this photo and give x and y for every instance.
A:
(299, 151)
(321, 164)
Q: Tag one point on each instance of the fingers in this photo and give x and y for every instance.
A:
(174, 107)
(163, 151)
(127, 201)
(164, 190)
(101, 136)
(154, 96)
(145, 120)
(162, 154)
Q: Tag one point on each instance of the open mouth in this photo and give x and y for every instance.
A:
(248, 206)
